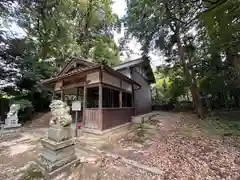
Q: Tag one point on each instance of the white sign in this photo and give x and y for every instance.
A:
(76, 105)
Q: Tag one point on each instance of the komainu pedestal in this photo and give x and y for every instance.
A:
(59, 150)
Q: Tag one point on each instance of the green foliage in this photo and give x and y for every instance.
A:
(161, 91)
(200, 40)
(104, 50)
(64, 28)
(166, 25)
(178, 88)
(168, 88)
(52, 31)
(23, 104)
(222, 24)
(26, 109)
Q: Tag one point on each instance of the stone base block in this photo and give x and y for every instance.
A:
(60, 134)
(54, 156)
(53, 145)
(51, 174)
(51, 162)
(9, 126)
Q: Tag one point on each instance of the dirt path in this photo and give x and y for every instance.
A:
(17, 149)
(20, 148)
(175, 144)
(172, 142)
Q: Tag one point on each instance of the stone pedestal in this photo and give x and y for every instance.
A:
(11, 122)
(58, 152)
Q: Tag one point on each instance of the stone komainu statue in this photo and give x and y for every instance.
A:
(60, 112)
(13, 110)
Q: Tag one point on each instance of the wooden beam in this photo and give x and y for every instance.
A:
(114, 87)
(73, 85)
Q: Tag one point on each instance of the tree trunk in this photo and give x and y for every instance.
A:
(235, 94)
(188, 76)
(86, 29)
(197, 100)
(233, 68)
(190, 81)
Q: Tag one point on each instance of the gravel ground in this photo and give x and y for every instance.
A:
(19, 148)
(107, 169)
(178, 148)
(171, 142)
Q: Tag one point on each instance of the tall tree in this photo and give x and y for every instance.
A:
(64, 28)
(167, 25)
(222, 23)
(53, 31)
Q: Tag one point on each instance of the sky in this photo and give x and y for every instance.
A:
(119, 7)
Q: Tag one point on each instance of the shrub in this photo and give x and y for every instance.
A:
(26, 110)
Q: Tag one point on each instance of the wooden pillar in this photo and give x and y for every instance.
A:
(133, 94)
(62, 96)
(76, 112)
(84, 102)
(53, 95)
(120, 99)
(84, 96)
(120, 96)
(133, 102)
(77, 95)
(100, 102)
(100, 96)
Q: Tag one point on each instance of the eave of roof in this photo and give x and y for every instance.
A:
(98, 66)
(112, 71)
(128, 64)
(136, 62)
(71, 59)
(72, 73)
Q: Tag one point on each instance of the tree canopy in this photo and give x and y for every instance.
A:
(200, 37)
(36, 37)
